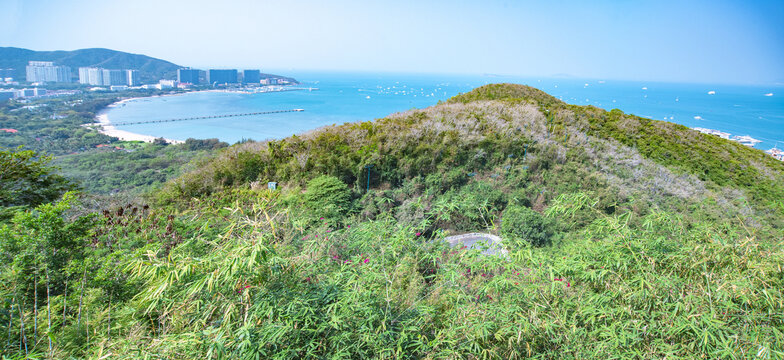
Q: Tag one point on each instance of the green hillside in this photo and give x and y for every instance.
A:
(626, 238)
(150, 69)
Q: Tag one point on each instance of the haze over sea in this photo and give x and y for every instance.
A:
(349, 97)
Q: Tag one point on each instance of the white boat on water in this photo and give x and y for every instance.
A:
(718, 133)
(746, 140)
(777, 154)
(769, 94)
(711, 92)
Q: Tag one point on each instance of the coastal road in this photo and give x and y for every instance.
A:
(478, 241)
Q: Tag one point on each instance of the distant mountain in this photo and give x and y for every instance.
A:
(150, 69)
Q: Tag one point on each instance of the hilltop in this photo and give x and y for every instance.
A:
(497, 128)
(627, 238)
(150, 69)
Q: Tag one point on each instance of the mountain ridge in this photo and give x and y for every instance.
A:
(150, 69)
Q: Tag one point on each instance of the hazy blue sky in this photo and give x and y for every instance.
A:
(690, 41)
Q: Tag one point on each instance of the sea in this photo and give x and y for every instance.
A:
(342, 97)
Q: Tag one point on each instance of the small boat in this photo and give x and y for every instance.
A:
(746, 140)
(718, 133)
(769, 94)
(711, 92)
(776, 153)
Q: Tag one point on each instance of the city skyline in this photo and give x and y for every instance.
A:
(698, 41)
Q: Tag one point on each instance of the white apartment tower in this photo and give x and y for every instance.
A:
(46, 71)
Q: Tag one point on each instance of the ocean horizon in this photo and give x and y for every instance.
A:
(753, 110)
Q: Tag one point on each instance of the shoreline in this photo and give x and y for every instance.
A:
(104, 124)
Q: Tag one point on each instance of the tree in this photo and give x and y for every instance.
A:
(160, 141)
(26, 179)
(41, 247)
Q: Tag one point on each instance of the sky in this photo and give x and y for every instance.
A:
(736, 42)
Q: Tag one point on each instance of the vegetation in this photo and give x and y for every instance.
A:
(54, 125)
(96, 162)
(133, 167)
(27, 180)
(329, 195)
(522, 223)
(624, 253)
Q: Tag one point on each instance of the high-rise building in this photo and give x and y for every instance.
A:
(222, 76)
(46, 71)
(90, 76)
(84, 75)
(132, 77)
(189, 76)
(251, 76)
(107, 77)
(114, 77)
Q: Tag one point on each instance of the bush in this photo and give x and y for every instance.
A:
(328, 193)
(522, 223)
(204, 144)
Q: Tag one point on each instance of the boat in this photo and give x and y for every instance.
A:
(711, 92)
(769, 94)
(746, 140)
(718, 133)
(777, 153)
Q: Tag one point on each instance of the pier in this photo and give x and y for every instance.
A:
(124, 123)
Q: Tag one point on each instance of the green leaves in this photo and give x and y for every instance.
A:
(328, 198)
(27, 179)
(519, 222)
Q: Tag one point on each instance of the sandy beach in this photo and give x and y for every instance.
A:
(105, 126)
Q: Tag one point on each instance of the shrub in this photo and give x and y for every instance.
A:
(328, 193)
(205, 144)
(522, 223)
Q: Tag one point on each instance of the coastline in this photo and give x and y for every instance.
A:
(105, 125)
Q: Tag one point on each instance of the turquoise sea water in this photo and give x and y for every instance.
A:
(349, 97)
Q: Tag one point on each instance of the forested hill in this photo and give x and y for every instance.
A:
(626, 237)
(500, 124)
(150, 69)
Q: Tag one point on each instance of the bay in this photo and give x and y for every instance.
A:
(350, 97)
